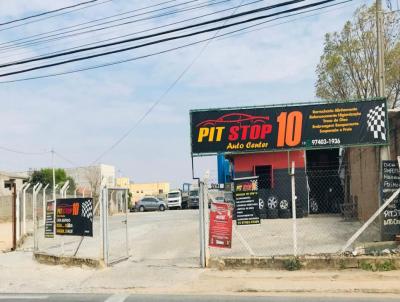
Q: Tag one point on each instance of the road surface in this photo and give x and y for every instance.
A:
(181, 298)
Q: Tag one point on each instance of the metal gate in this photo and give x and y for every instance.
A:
(114, 207)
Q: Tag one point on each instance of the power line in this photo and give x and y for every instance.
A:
(173, 84)
(48, 12)
(57, 15)
(150, 29)
(88, 22)
(42, 39)
(23, 152)
(167, 91)
(290, 21)
(160, 34)
(226, 35)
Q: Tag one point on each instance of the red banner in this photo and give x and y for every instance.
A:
(220, 225)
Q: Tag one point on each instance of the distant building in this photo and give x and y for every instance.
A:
(6, 178)
(91, 177)
(139, 190)
(122, 182)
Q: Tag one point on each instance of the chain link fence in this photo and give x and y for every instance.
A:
(327, 216)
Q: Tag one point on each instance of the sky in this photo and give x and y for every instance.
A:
(82, 115)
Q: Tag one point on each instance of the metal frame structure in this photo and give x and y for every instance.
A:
(104, 222)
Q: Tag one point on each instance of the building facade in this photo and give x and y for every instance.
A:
(90, 178)
(139, 190)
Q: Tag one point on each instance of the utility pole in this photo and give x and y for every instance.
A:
(383, 150)
(380, 48)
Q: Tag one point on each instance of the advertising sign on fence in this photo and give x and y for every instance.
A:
(74, 217)
(246, 200)
(260, 129)
(220, 225)
(49, 223)
(391, 215)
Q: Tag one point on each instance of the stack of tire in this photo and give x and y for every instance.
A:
(272, 208)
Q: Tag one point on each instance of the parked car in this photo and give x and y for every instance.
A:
(150, 203)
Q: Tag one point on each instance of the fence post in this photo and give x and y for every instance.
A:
(202, 225)
(44, 204)
(24, 208)
(14, 216)
(104, 224)
(292, 176)
(36, 190)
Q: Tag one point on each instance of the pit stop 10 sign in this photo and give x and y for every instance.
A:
(258, 129)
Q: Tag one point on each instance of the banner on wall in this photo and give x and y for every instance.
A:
(305, 126)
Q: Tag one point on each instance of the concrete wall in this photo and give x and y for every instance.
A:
(5, 208)
(364, 179)
(364, 169)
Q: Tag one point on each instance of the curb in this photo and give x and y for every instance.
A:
(332, 262)
(67, 260)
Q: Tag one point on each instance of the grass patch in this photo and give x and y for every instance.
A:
(384, 266)
(292, 264)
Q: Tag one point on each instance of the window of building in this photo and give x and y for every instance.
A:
(160, 191)
(264, 174)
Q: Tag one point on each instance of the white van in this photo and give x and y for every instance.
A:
(174, 199)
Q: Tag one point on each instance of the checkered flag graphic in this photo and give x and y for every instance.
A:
(87, 210)
(376, 122)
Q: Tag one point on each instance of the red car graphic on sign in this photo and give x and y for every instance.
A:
(234, 118)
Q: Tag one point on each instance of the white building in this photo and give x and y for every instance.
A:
(90, 177)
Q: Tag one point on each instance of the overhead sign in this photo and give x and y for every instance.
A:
(246, 200)
(74, 217)
(303, 126)
(391, 215)
(49, 223)
(220, 225)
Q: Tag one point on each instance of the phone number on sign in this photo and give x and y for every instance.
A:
(325, 141)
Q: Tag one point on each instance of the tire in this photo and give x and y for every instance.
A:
(261, 204)
(141, 209)
(161, 208)
(272, 202)
(284, 204)
(285, 214)
(272, 213)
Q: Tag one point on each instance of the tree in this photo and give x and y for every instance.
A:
(93, 177)
(348, 68)
(45, 176)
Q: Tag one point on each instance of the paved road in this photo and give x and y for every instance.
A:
(181, 298)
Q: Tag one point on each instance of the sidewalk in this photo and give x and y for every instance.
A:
(21, 274)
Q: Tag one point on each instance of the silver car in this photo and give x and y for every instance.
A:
(150, 203)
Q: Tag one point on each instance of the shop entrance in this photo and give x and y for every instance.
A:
(326, 190)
